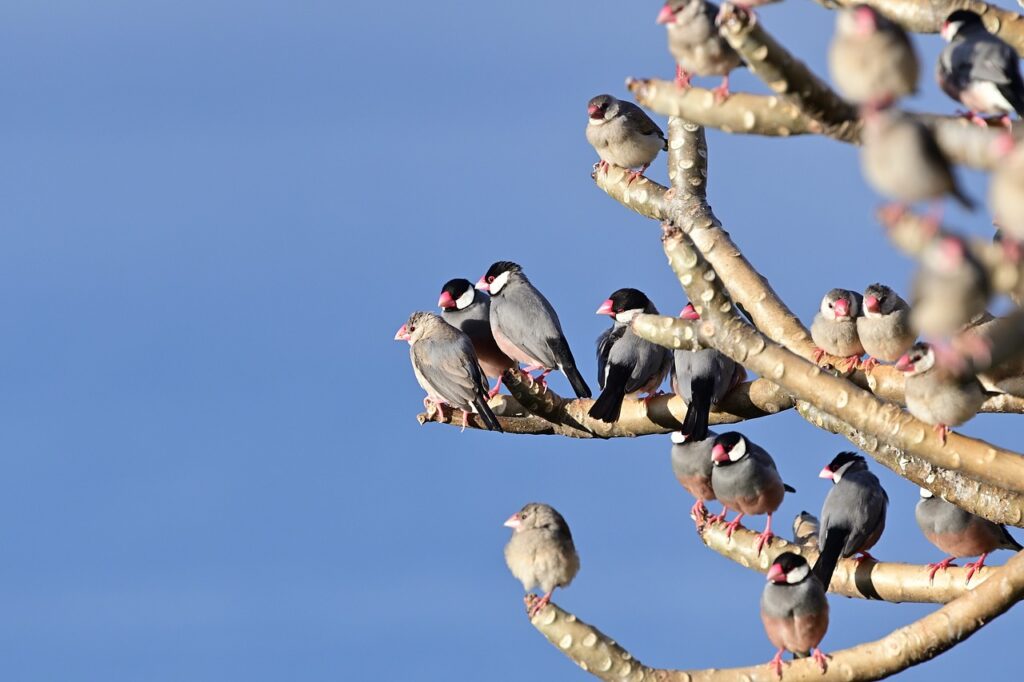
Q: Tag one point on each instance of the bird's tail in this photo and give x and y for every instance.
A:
(825, 566)
(486, 414)
(695, 423)
(1011, 543)
(1015, 97)
(576, 381)
(609, 404)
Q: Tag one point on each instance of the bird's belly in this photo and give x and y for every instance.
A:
(985, 98)
(511, 350)
(698, 486)
(633, 152)
(798, 634)
(970, 542)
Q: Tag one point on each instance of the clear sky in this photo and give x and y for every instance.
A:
(214, 217)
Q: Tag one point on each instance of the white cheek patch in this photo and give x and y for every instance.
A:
(597, 121)
(838, 475)
(926, 494)
(738, 450)
(798, 574)
(678, 437)
(499, 282)
(465, 299)
(826, 310)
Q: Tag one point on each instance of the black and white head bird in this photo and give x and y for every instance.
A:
(692, 465)
(446, 367)
(702, 378)
(979, 69)
(794, 610)
(526, 327)
(694, 41)
(935, 397)
(884, 330)
(469, 309)
(853, 515)
(541, 552)
(623, 135)
(625, 362)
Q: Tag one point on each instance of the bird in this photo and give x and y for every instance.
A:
(853, 515)
(1007, 376)
(694, 41)
(702, 378)
(933, 397)
(625, 362)
(871, 58)
(691, 463)
(468, 309)
(745, 479)
(1006, 196)
(834, 329)
(959, 533)
(901, 160)
(623, 135)
(950, 288)
(541, 552)
(884, 329)
(526, 327)
(794, 610)
(978, 69)
(446, 367)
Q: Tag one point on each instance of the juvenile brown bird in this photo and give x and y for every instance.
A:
(540, 552)
(834, 329)
(885, 330)
(692, 465)
(468, 310)
(623, 135)
(934, 398)
(950, 289)
(871, 59)
(1006, 195)
(794, 610)
(694, 41)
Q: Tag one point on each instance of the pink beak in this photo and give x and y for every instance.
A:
(871, 304)
(482, 285)
(446, 301)
(689, 312)
(718, 454)
(776, 574)
(594, 109)
(606, 308)
(842, 308)
(904, 364)
(666, 15)
(513, 521)
(825, 473)
(402, 334)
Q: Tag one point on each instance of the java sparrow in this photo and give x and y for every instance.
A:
(978, 69)
(942, 401)
(1008, 376)
(745, 479)
(625, 362)
(691, 463)
(1006, 195)
(853, 515)
(834, 329)
(871, 58)
(623, 134)
(794, 610)
(959, 533)
(694, 41)
(951, 288)
(446, 367)
(525, 326)
(540, 552)
(884, 330)
(702, 378)
(469, 309)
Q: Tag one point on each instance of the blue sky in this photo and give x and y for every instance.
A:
(215, 215)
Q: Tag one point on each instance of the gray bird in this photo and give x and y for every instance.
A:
(626, 363)
(446, 367)
(1006, 195)
(526, 327)
(540, 552)
(692, 465)
(979, 69)
(469, 310)
(853, 515)
(834, 329)
(1008, 376)
(794, 610)
(871, 59)
(694, 41)
(950, 289)
(901, 160)
(959, 534)
(623, 135)
(884, 330)
(745, 479)
(702, 378)
(935, 398)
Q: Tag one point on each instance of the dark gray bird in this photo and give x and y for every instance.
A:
(540, 552)
(623, 135)
(446, 367)
(853, 515)
(978, 69)
(691, 463)
(469, 310)
(702, 378)
(526, 327)
(834, 329)
(626, 363)
(959, 533)
(871, 59)
(934, 397)
(884, 330)
(794, 610)
(745, 479)
(950, 289)
(694, 41)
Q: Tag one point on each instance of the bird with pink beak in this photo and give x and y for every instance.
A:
(794, 610)
(834, 329)
(694, 41)
(933, 396)
(541, 552)
(885, 330)
(469, 310)
(623, 135)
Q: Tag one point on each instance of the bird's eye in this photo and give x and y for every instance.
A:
(830, 305)
(412, 329)
(491, 278)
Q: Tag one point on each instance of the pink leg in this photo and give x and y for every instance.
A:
(722, 91)
(494, 391)
(731, 527)
(682, 78)
(775, 665)
(604, 165)
(822, 660)
(974, 567)
(869, 364)
(1006, 122)
(540, 604)
(719, 518)
(891, 213)
(465, 421)
(1012, 249)
(850, 364)
(940, 566)
(542, 379)
(633, 175)
(699, 513)
(765, 536)
(864, 556)
(943, 432)
(818, 355)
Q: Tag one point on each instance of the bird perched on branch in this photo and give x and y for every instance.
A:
(692, 465)
(959, 533)
(1007, 376)
(469, 310)
(446, 367)
(951, 288)
(794, 610)
(625, 362)
(834, 329)
(525, 326)
(884, 330)
(623, 135)
(540, 552)
(934, 397)
(853, 515)
(979, 69)
(694, 41)
(1006, 195)
(745, 479)
(871, 58)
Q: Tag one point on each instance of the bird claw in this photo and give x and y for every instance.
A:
(722, 91)
(849, 364)
(821, 659)
(869, 364)
(775, 665)
(939, 566)
(731, 527)
(864, 556)
(890, 214)
(699, 514)
(974, 567)
(817, 355)
(536, 605)
(942, 431)
(633, 175)
(763, 539)
(682, 78)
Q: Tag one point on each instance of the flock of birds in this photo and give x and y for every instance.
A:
(504, 321)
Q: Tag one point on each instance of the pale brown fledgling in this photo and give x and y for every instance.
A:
(950, 289)
(935, 398)
(541, 552)
(871, 58)
(884, 330)
(1006, 194)
(694, 41)
(834, 328)
(623, 135)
